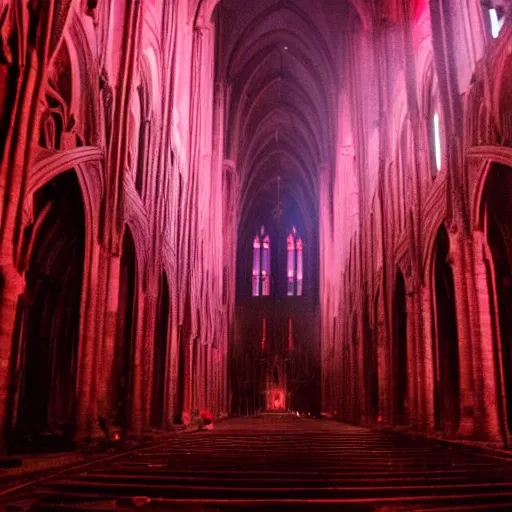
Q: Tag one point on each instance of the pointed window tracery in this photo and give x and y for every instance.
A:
(294, 263)
(261, 264)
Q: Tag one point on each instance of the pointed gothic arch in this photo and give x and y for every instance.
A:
(160, 354)
(445, 338)
(400, 350)
(496, 222)
(48, 319)
(122, 375)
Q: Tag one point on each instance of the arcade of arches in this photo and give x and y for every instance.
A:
(145, 144)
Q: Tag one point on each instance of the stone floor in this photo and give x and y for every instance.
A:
(282, 462)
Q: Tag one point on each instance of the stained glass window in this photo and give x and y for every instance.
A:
(261, 264)
(294, 263)
(256, 266)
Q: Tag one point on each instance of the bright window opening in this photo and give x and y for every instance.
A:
(437, 142)
(261, 264)
(294, 266)
(496, 22)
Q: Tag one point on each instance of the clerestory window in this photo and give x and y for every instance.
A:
(497, 18)
(437, 142)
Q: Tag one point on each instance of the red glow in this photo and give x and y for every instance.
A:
(276, 399)
(207, 415)
(133, 183)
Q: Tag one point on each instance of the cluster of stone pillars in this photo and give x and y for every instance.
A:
(437, 356)
(102, 278)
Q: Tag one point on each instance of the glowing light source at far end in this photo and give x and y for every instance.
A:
(437, 141)
(496, 23)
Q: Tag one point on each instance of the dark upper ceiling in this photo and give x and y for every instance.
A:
(281, 64)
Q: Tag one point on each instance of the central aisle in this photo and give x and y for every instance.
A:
(285, 462)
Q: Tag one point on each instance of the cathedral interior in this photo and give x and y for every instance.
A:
(286, 220)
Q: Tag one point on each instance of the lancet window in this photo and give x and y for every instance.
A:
(261, 264)
(497, 18)
(294, 263)
(437, 141)
(436, 132)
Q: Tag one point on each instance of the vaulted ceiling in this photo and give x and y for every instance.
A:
(280, 61)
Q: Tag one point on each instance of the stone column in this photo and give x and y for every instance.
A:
(106, 348)
(427, 421)
(172, 386)
(91, 383)
(148, 350)
(464, 328)
(492, 416)
(11, 287)
(412, 359)
(382, 358)
(138, 365)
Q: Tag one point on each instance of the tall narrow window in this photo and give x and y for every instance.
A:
(294, 263)
(290, 264)
(437, 142)
(300, 271)
(497, 18)
(261, 264)
(265, 266)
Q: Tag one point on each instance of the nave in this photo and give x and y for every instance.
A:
(284, 463)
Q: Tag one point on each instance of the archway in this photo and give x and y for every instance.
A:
(498, 225)
(48, 318)
(126, 328)
(446, 370)
(400, 352)
(182, 367)
(160, 354)
(371, 370)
